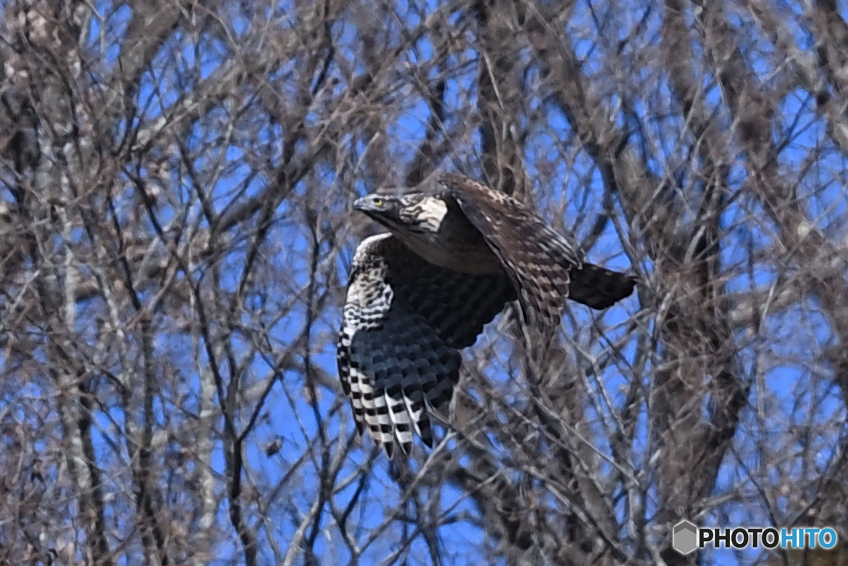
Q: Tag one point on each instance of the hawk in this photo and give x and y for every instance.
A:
(454, 256)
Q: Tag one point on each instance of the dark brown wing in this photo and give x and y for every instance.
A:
(404, 321)
(544, 266)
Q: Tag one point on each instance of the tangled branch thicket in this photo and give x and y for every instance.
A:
(176, 232)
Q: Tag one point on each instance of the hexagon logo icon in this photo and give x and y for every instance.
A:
(684, 537)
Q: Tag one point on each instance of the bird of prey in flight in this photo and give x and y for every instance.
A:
(456, 253)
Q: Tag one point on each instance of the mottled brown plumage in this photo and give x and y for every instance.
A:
(456, 255)
(545, 267)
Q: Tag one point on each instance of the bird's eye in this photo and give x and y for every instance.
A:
(378, 202)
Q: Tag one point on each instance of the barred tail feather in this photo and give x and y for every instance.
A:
(599, 287)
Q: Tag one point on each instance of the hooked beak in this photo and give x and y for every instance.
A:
(361, 204)
(372, 203)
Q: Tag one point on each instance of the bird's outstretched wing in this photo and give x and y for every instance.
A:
(404, 321)
(544, 266)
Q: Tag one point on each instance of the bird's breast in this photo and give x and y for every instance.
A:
(465, 255)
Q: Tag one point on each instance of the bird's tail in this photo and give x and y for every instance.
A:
(599, 287)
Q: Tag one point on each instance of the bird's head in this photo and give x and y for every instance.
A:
(412, 212)
(382, 208)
